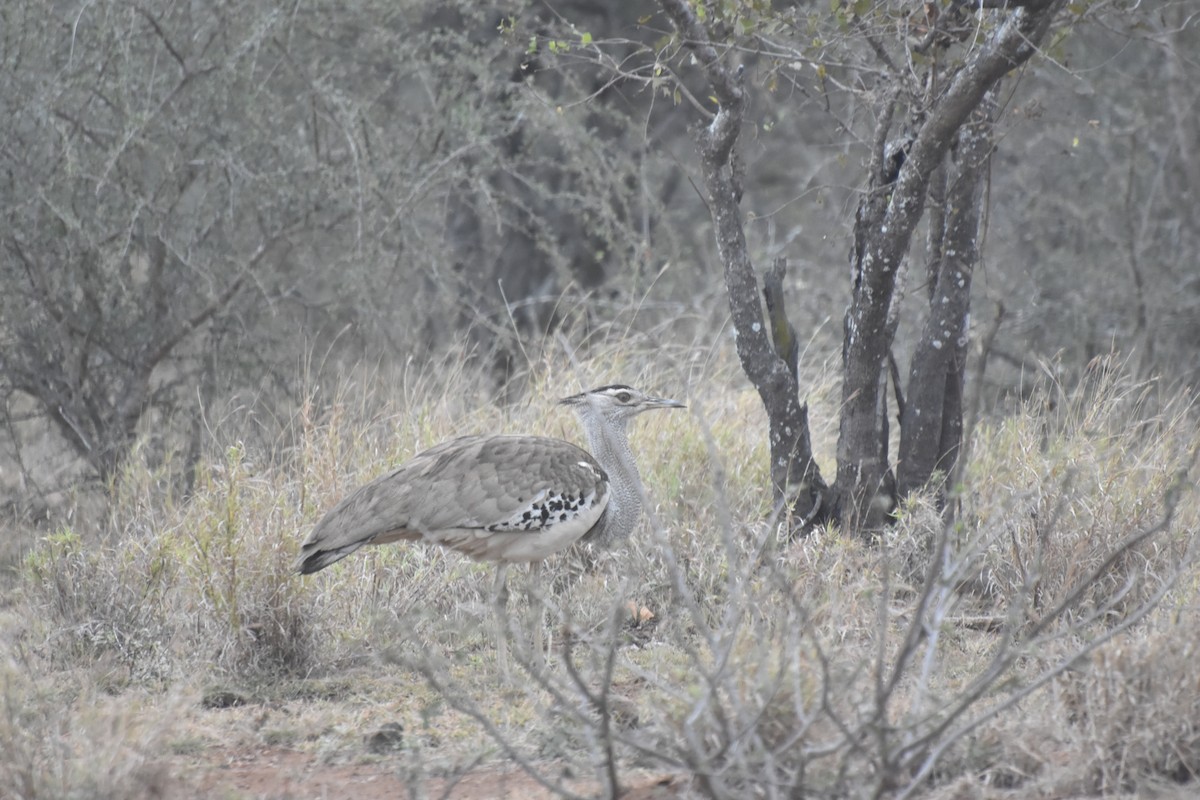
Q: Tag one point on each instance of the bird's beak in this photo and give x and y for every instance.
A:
(662, 402)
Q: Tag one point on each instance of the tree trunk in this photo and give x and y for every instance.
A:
(888, 216)
(932, 423)
(901, 175)
(798, 486)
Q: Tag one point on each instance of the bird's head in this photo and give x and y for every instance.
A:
(616, 403)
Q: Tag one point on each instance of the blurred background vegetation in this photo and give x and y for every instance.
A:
(205, 205)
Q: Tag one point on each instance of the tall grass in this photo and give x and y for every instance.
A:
(709, 645)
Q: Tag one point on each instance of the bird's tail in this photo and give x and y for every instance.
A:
(314, 559)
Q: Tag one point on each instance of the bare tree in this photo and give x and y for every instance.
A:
(135, 231)
(196, 197)
(931, 79)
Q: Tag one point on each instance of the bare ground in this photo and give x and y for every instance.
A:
(278, 773)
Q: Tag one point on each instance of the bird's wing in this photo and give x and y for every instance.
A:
(487, 483)
(500, 483)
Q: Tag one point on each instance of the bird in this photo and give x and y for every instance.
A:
(502, 498)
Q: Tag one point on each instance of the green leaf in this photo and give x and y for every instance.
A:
(585, 39)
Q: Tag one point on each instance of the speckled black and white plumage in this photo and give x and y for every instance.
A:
(500, 498)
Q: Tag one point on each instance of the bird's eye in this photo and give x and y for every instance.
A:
(624, 397)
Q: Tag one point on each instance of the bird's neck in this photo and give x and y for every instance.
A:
(610, 446)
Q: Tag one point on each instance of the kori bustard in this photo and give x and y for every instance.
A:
(502, 498)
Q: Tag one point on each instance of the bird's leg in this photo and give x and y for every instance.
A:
(538, 607)
(500, 605)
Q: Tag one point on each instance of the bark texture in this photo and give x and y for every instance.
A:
(931, 425)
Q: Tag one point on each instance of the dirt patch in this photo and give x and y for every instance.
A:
(283, 774)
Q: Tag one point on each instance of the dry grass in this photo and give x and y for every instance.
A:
(68, 738)
(1033, 661)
